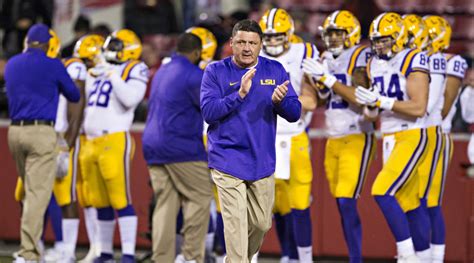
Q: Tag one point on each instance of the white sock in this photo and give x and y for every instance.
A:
(70, 230)
(254, 258)
(106, 234)
(59, 245)
(209, 242)
(305, 254)
(437, 253)
(220, 259)
(405, 248)
(424, 256)
(90, 217)
(128, 233)
(179, 243)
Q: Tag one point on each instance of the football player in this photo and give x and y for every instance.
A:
(439, 38)
(351, 144)
(293, 171)
(113, 90)
(400, 81)
(418, 38)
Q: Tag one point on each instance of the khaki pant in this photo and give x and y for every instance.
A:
(186, 185)
(34, 151)
(246, 208)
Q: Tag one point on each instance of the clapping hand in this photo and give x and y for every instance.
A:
(372, 97)
(246, 82)
(280, 92)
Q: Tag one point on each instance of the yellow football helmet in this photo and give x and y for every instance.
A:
(417, 31)
(389, 24)
(209, 42)
(89, 47)
(439, 32)
(296, 39)
(54, 45)
(122, 45)
(276, 22)
(343, 20)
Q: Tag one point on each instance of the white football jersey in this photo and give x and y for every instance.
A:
(343, 118)
(107, 96)
(390, 78)
(77, 71)
(291, 61)
(456, 67)
(437, 63)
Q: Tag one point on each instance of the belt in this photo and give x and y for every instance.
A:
(32, 122)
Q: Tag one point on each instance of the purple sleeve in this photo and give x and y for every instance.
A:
(194, 86)
(66, 85)
(290, 107)
(214, 107)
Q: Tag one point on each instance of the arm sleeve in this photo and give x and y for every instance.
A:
(66, 85)
(456, 66)
(419, 62)
(132, 90)
(214, 107)
(436, 89)
(194, 86)
(363, 57)
(77, 71)
(290, 107)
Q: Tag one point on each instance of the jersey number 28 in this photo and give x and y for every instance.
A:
(101, 94)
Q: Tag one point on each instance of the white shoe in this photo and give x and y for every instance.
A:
(408, 259)
(93, 253)
(284, 259)
(254, 258)
(58, 256)
(52, 255)
(180, 259)
(220, 259)
(22, 260)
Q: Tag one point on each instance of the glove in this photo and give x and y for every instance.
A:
(318, 71)
(372, 97)
(62, 164)
(100, 69)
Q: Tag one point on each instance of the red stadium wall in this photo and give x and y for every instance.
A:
(327, 235)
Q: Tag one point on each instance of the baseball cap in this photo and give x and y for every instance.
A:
(38, 33)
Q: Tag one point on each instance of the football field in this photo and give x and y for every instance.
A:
(8, 248)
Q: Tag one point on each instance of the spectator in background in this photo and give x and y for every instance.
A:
(224, 48)
(82, 27)
(17, 16)
(102, 30)
(152, 60)
(147, 17)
